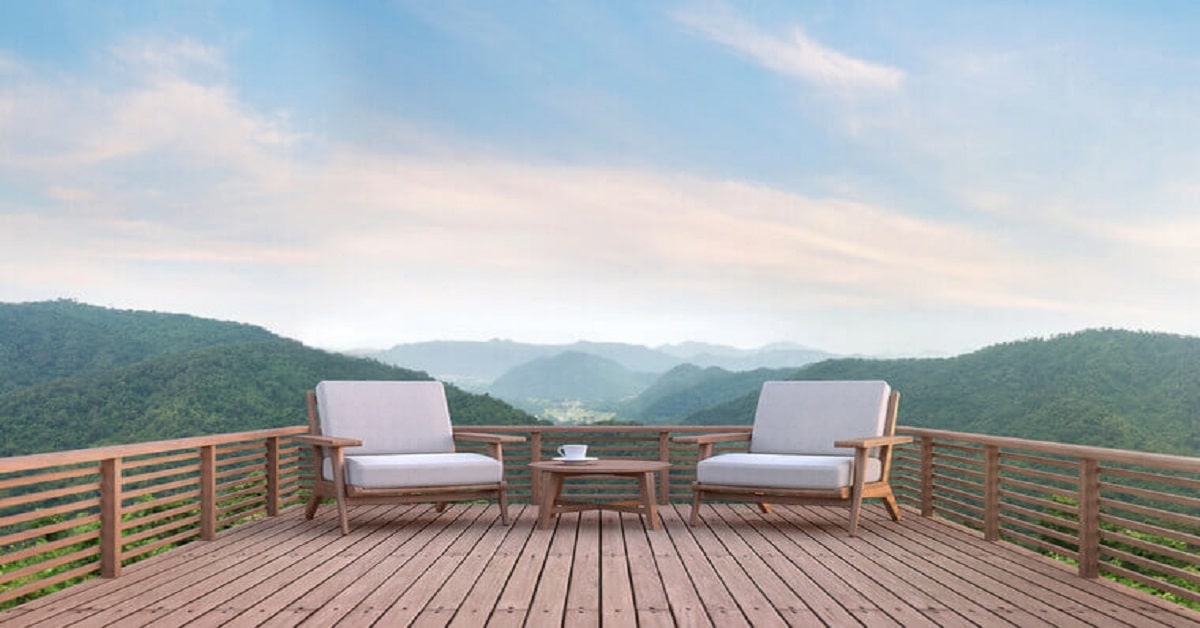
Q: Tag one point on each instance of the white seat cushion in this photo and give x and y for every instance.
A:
(806, 417)
(783, 471)
(414, 470)
(388, 417)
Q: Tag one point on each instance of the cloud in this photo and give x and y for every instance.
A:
(797, 55)
(158, 98)
(165, 190)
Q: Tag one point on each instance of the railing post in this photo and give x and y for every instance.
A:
(535, 455)
(926, 476)
(273, 476)
(208, 492)
(1089, 518)
(991, 493)
(664, 455)
(110, 517)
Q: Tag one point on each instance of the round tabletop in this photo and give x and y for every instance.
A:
(602, 465)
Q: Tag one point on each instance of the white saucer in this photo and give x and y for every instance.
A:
(584, 460)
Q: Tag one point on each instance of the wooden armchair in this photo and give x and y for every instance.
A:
(819, 442)
(392, 442)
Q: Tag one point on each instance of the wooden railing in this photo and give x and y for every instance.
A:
(66, 516)
(69, 515)
(1128, 515)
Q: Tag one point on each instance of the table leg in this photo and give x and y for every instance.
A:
(649, 499)
(552, 484)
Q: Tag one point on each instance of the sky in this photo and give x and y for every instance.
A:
(882, 178)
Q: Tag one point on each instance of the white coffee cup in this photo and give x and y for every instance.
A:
(573, 452)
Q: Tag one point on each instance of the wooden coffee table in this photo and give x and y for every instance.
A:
(554, 472)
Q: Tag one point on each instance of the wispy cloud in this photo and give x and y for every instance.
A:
(188, 177)
(161, 187)
(797, 55)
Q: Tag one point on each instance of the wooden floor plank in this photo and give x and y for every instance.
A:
(828, 528)
(451, 596)
(744, 588)
(516, 598)
(247, 581)
(825, 609)
(723, 609)
(316, 587)
(617, 607)
(942, 579)
(550, 593)
(407, 591)
(1056, 582)
(649, 596)
(817, 564)
(179, 600)
(442, 569)
(385, 568)
(409, 565)
(687, 607)
(477, 604)
(787, 602)
(583, 591)
(1009, 581)
(853, 572)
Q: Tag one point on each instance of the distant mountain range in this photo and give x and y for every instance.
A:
(74, 375)
(570, 376)
(475, 365)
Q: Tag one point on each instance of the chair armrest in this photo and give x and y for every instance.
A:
(705, 439)
(488, 438)
(873, 441)
(328, 441)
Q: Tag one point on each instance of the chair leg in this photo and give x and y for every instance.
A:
(504, 507)
(855, 509)
(343, 516)
(339, 490)
(695, 518)
(889, 502)
(764, 508)
(441, 507)
(856, 489)
(310, 510)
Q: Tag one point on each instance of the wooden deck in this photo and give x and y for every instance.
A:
(405, 565)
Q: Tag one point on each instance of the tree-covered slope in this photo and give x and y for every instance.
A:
(1130, 390)
(44, 341)
(227, 388)
(686, 389)
(137, 377)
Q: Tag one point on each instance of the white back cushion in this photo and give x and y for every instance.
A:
(388, 417)
(807, 417)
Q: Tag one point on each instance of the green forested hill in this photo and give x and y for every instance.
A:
(221, 386)
(1130, 390)
(687, 388)
(41, 342)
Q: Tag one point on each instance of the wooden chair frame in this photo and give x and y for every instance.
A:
(349, 495)
(851, 496)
